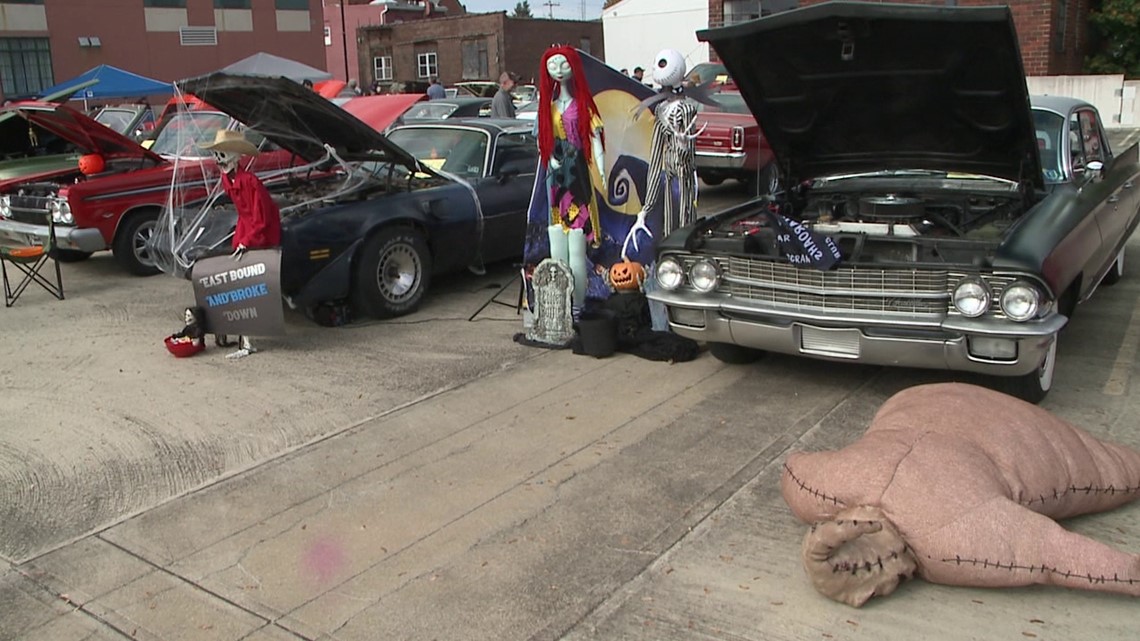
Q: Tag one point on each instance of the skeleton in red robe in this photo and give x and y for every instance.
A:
(961, 485)
(259, 219)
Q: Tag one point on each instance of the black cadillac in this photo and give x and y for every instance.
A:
(932, 215)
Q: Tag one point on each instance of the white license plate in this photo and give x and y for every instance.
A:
(841, 343)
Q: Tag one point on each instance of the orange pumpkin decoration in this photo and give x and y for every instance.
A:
(627, 276)
(91, 164)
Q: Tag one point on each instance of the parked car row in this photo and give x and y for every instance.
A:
(455, 190)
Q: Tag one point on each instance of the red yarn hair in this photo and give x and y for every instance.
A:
(580, 92)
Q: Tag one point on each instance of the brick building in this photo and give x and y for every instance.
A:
(344, 20)
(470, 47)
(43, 42)
(1053, 34)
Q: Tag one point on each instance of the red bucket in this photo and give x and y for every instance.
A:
(184, 348)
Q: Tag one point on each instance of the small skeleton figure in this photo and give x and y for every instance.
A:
(672, 164)
(259, 219)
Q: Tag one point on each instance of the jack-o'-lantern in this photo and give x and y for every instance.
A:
(627, 276)
(91, 164)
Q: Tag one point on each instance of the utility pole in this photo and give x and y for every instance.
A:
(550, 4)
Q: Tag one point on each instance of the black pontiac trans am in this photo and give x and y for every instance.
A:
(368, 217)
(968, 220)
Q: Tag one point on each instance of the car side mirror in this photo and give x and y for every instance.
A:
(1094, 170)
(506, 173)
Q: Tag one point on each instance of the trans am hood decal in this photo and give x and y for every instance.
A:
(848, 87)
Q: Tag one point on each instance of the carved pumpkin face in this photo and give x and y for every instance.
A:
(627, 276)
(91, 164)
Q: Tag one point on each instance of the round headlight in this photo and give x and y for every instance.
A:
(1020, 301)
(704, 276)
(971, 298)
(669, 274)
(65, 216)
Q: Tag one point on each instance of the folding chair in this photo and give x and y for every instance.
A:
(31, 259)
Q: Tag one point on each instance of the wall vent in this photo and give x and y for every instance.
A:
(198, 36)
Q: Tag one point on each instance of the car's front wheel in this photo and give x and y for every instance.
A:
(1116, 272)
(1033, 387)
(734, 354)
(131, 243)
(712, 180)
(392, 273)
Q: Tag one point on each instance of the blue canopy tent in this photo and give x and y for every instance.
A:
(111, 82)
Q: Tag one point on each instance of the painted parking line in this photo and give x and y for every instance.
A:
(1117, 381)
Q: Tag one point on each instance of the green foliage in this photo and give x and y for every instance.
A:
(522, 10)
(1116, 38)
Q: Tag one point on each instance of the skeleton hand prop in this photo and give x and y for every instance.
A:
(239, 252)
(632, 235)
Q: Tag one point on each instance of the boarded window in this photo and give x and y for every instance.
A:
(475, 59)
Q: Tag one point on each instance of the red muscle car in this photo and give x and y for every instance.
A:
(731, 145)
(116, 208)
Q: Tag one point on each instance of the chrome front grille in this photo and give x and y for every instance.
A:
(848, 289)
(29, 209)
(906, 292)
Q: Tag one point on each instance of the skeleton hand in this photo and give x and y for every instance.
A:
(632, 235)
(239, 252)
(554, 164)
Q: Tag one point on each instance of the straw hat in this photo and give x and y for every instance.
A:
(231, 140)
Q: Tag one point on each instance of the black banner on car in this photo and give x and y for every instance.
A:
(241, 297)
(805, 248)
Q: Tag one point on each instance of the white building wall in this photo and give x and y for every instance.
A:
(635, 30)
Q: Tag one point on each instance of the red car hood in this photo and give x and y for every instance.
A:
(77, 128)
(379, 112)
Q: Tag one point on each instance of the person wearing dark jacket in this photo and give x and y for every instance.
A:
(503, 104)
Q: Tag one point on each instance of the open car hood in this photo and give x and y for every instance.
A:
(294, 117)
(847, 87)
(87, 134)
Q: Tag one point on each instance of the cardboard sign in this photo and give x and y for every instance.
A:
(241, 297)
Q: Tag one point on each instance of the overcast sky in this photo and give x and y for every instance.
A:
(566, 9)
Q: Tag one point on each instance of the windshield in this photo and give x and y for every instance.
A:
(118, 119)
(183, 132)
(1049, 148)
(458, 151)
(435, 110)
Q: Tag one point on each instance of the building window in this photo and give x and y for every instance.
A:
(328, 36)
(475, 59)
(165, 4)
(741, 10)
(427, 65)
(231, 4)
(382, 67)
(293, 5)
(25, 65)
(584, 44)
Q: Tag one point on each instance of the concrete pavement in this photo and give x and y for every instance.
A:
(560, 497)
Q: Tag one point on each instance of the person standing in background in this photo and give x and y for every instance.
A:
(435, 91)
(503, 104)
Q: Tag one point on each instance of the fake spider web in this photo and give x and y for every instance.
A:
(301, 171)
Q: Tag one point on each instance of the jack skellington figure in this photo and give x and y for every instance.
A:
(672, 163)
(259, 219)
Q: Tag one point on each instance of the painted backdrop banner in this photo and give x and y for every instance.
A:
(241, 297)
(628, 137)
